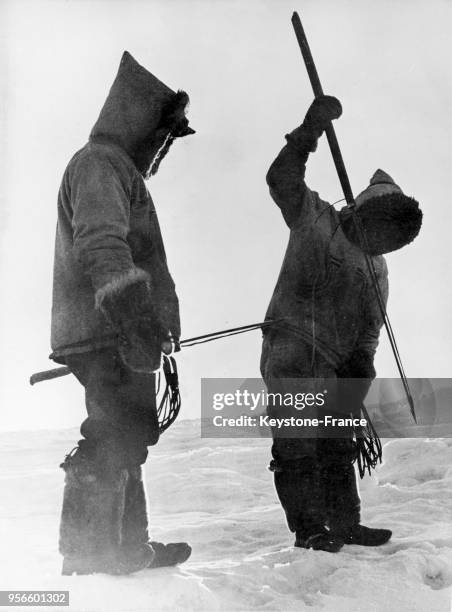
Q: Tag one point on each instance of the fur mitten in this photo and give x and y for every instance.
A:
(355, 377)
(322, 111)
(127, 304)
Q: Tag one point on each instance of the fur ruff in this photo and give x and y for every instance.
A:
(117, 285)
(176, 106)
(173, 114)
(389, 221)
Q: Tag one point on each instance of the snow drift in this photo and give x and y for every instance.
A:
(219, 496)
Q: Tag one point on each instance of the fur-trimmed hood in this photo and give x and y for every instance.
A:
(389, 219)
(137, 104)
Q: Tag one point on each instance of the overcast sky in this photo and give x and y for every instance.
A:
(389, 64)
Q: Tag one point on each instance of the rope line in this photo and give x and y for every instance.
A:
(224, 333)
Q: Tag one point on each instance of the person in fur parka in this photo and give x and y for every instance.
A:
(328, 328)
(115, 310)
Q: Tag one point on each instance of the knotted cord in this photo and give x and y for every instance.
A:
(170, 404)
(368, 446)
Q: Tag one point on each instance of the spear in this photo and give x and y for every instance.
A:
(348, 194)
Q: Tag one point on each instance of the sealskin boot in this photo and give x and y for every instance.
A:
(300, 491)
(135, 535)
(166, 555)
(367, 536)
(91, 520)
(323, 540)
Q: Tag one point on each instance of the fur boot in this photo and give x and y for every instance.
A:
(135, 536)
(91, 519)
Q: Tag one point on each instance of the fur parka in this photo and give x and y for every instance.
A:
(324, 291)
(108, 236)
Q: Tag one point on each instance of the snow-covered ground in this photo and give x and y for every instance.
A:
(219, 496)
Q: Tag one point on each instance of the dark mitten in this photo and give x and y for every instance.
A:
(354, 379)
(322, 111)
(359, 365)
(127, 304)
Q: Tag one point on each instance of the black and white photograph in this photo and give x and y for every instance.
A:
(225, 308)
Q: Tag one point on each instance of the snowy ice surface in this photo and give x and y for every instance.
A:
(219, 496)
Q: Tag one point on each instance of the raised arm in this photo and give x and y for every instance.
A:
(285, 177)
